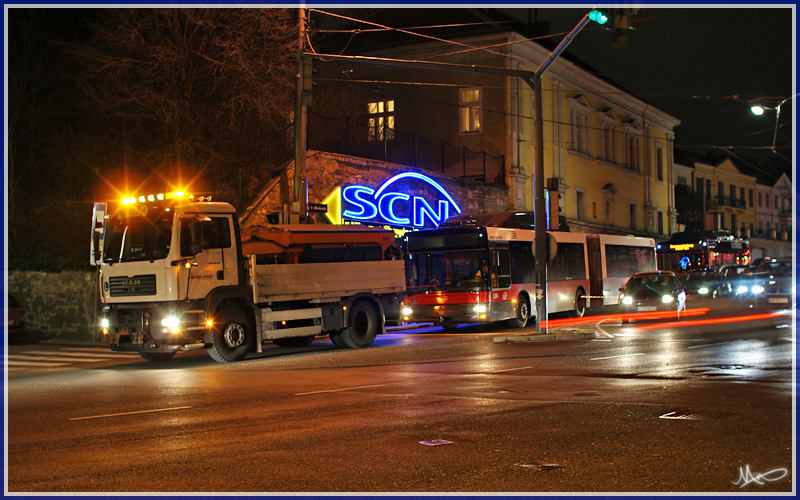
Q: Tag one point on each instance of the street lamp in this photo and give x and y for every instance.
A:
(759, 110)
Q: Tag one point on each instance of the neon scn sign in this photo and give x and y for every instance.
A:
(391, 205)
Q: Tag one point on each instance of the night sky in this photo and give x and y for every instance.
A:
(702, 66)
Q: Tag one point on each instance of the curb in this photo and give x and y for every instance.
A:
(563, 335)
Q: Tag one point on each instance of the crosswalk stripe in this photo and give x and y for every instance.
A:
(54, 358)
(34, 364)
(105, 354)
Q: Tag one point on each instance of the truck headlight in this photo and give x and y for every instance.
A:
(104, 323)
(170, 322)
(666, 299)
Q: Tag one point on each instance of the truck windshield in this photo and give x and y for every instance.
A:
(138, 238)
(445, 270)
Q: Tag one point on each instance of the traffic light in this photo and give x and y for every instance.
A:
(600, 16)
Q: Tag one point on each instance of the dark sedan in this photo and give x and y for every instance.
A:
(699, 285)
(650, 292)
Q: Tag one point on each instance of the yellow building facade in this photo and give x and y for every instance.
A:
(730, 197)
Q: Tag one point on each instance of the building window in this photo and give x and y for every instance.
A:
(733, 223)
(579, 113)
(750, 196)
(470, 101)
(609, 211)
(659, 163)
(682, 181)
(632, 215)
(720, 191)
(381, 120)
(660, 222)
(733, 194)
(699, 183)
(741, 197)
(708, 189)
(580, 204)
(632, 149)
(760, 200)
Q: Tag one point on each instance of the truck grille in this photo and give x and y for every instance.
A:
(124, 286)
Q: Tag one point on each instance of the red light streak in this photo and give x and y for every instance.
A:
(711, 321)
(555, 323)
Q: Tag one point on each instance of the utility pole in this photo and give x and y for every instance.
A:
(300, 204)
(534, 80)
(539, 216)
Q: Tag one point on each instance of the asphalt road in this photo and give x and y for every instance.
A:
(647, 407)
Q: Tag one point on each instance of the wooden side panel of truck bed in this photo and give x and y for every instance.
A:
(283, 282)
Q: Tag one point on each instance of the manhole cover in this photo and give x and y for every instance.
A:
(541, 466)
(696, 415)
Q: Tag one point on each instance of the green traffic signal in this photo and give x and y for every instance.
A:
(599, 16)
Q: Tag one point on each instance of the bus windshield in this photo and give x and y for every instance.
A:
(446, 270)
(138, 238)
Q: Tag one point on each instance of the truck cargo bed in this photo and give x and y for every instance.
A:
(286, 282)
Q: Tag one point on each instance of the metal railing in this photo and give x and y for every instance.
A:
(349, 137)
(728, 201)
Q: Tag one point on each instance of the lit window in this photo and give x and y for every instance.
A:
(470, 105)
(381, 120)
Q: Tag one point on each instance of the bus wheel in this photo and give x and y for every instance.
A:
(363, 325)
(294, 341)
(232, 338)
(580, 303)
(523, 313)
(157, 357)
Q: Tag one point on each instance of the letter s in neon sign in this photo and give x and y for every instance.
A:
(386, 206)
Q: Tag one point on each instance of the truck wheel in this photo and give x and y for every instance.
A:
(157, 357)
(231, 337)
(580, 303)
(362, 326)
(336, 338)
(523, 313)
(294, 341)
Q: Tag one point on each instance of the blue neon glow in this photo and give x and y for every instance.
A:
(421, 209)
(684, 262)
(395, 208)
(421, 177)
(351, 194)
(386, 211)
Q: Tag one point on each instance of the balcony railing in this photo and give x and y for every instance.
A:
(728, 201)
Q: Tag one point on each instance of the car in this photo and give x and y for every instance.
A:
(16, 317)
(776, 277)
(700, 284)
(652, 291)
(736, 280)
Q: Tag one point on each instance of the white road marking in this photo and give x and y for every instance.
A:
(91, 354)
(33, 364)
(600, 328)
(50, 357)
(131, 413)
(339, 390)
(511, 369)
(707, 345)
(620, 356)
(601, 340)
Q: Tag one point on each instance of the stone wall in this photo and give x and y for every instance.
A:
(57, 305)
(327, 171)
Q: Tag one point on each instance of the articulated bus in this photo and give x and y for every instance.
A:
(702, 251)
(446, 284)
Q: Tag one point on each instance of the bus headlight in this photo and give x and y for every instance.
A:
(627, 300)
(407, 311)
(666, 299)
(480, 308)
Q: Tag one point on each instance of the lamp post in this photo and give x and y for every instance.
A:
(759, 110)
